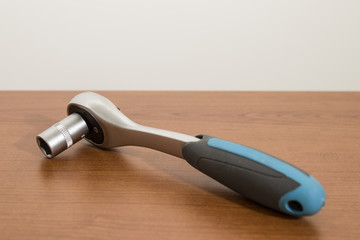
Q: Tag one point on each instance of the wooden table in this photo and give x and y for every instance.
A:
(137, 193)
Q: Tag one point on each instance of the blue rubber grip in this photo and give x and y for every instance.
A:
(258, 176)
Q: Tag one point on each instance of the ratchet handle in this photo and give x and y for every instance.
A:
(257, 176)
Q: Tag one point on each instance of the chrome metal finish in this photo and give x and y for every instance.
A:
(121, 131)
(65, 133)
(118, 130)
(62, 135)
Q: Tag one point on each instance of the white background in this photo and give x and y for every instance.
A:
(180, 45)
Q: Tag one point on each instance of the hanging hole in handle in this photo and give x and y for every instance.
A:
(295, 206)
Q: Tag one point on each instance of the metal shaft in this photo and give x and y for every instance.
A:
(116, 129)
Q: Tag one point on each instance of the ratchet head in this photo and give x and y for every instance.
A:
(91, 116)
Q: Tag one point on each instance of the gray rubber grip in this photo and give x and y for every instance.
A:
(246, 177)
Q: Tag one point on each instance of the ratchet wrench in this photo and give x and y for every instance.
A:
(255, 175)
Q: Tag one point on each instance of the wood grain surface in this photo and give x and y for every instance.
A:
(138, 193)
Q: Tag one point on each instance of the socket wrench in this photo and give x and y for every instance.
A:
(255, 175)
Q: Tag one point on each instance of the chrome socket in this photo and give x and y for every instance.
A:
(62, 135)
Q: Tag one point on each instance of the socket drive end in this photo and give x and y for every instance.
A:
(62, 135)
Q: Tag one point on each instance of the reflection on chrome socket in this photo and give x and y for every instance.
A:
(62, 135)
